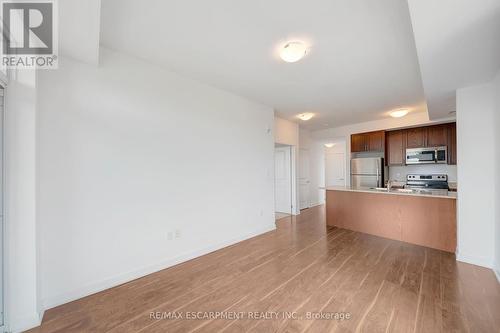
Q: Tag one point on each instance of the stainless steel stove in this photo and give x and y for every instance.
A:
(427, 182)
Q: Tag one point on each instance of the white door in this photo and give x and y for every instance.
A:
(304, 180)
(283, 180)
(335, 169)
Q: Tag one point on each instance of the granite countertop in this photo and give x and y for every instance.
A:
(419, 193)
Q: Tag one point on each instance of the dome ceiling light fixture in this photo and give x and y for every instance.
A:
(399, 113)
(305, 116)
(293, 51)
(329, 145)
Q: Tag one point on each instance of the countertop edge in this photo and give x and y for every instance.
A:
(452, 197)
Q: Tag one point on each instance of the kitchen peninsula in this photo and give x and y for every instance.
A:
(416, 217)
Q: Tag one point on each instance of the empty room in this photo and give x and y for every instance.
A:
(250, 166)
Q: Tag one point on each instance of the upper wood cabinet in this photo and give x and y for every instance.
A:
(452, 144)
(437, 135)
(420, 137)
(431, 136)
(395, 152)
(376, 141)
(416, 137)
(365, 142)
(395, 143)
(358, 143)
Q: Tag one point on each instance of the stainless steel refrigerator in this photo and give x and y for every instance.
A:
(367, 172)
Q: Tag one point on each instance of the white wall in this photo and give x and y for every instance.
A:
(476, 174)
(129, 152)
(497, 174)
(79, 28)
(21, 276)
(286, 132)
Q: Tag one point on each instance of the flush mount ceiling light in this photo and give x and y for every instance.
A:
(399, 113)
(305, 116)
(329, 145)
(293, 51)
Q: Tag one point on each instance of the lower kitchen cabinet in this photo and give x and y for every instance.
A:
(420, 220)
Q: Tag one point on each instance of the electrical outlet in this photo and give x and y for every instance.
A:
(177, 233)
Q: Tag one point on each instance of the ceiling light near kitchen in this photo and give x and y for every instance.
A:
(399, 113)
(329, 145)
(305, 116)
(293, 51)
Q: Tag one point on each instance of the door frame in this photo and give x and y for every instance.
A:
(293, 160)
(308, 179)
(289, 152)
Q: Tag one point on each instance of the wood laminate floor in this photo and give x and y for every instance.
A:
(279, 215)
(303, 266)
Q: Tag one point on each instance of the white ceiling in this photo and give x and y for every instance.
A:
(458, 43)
(362, 61)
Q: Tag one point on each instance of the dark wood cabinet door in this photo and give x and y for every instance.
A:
(416, 137)
(395, 148)
(376, 141)
(437, 136)
(452, 144)
(358, 143)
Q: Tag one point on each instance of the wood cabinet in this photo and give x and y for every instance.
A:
(395, 148)
(419, 220)
(430, 136)
(376, 141)
(366, 142)
(416, 137)
(452, 144)
(437, 136)
(420, 137)
(358, 143)
(395, 143)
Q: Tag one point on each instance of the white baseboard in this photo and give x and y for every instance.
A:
(475, 260)
(98, 286)
(316, 204)
(21, 324)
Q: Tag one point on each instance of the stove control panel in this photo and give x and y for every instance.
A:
(440, 178)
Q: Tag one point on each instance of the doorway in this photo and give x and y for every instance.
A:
(283, 181)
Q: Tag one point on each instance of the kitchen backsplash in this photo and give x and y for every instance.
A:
(399, 173)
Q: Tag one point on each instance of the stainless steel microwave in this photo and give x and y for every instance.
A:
(430, 155)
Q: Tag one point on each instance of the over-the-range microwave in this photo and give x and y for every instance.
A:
(429, 155)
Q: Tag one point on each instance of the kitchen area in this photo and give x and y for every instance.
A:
(403, 186)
